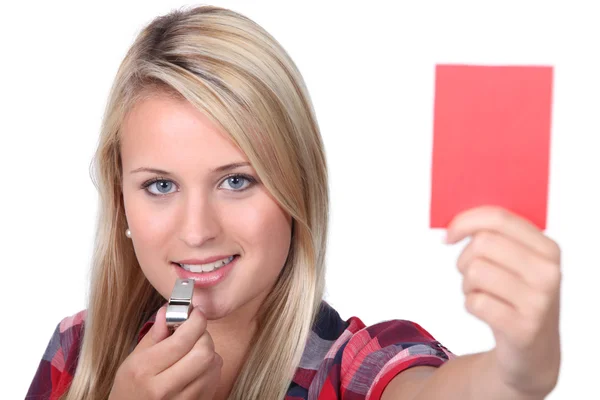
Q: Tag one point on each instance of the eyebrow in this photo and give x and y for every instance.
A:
(222, 168)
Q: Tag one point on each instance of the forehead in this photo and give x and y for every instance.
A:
(161, 129)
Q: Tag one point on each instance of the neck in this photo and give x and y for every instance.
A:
(232, 337)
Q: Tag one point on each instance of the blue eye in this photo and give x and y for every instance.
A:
(162, 185)
(236, 183)
(239, 182)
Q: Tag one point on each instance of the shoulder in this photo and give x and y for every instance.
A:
(59, 361)
(67, 336)
(357, 361)
(374, 355)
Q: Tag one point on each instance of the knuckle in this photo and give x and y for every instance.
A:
(479, 242)
(486, 237)
(501, 217)
(134, 375)
(461, 263)
(475, 271)
(206, 341)
(549, 280)
(134, 371)
(474, 303)
(218, 360)
(155, 392)
(554, 250)
(466, 286)
(482, 241)
(554, 276)
(202, 354)
(472, 278)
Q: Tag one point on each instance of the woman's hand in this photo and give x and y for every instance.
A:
(512, 282)
(181, 366)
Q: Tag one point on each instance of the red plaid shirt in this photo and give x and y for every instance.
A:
(342, 360)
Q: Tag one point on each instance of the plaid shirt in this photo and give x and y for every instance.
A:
(342, 360)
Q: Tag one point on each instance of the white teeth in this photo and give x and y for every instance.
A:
(206, 267)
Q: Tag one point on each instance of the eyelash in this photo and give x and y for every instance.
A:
(249, 178)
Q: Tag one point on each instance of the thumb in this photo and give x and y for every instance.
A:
(158, 332)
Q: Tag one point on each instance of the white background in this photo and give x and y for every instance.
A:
(369, 67)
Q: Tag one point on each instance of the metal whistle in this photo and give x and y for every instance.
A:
(180, 303)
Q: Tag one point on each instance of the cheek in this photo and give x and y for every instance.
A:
(148, 230)
(265, 231)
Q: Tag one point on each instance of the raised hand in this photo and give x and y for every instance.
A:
(512, 278)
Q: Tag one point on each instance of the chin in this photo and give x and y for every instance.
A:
(212, 307)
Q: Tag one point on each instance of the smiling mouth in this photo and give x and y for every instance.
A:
(208, 267)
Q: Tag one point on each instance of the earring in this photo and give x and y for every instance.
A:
(128, 233)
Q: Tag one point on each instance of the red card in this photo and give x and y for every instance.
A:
(491, 142)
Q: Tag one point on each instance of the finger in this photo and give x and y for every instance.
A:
(505, 222)
(172, 349)
(157, 332)
(200, 359)
(510, 255)
(484, 276)
(207, 384)
(491, 310)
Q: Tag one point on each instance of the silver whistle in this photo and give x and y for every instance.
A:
(180, 303)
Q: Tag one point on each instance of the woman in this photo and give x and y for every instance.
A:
(211, 166)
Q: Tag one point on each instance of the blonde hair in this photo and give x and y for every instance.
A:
(240, 77)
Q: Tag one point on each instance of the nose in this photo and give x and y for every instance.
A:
(199, 222)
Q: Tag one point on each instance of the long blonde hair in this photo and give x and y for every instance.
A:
(234, 72)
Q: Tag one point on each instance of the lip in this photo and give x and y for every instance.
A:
(197, 261)
(206, 279)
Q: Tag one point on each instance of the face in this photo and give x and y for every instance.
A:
(205, 205)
